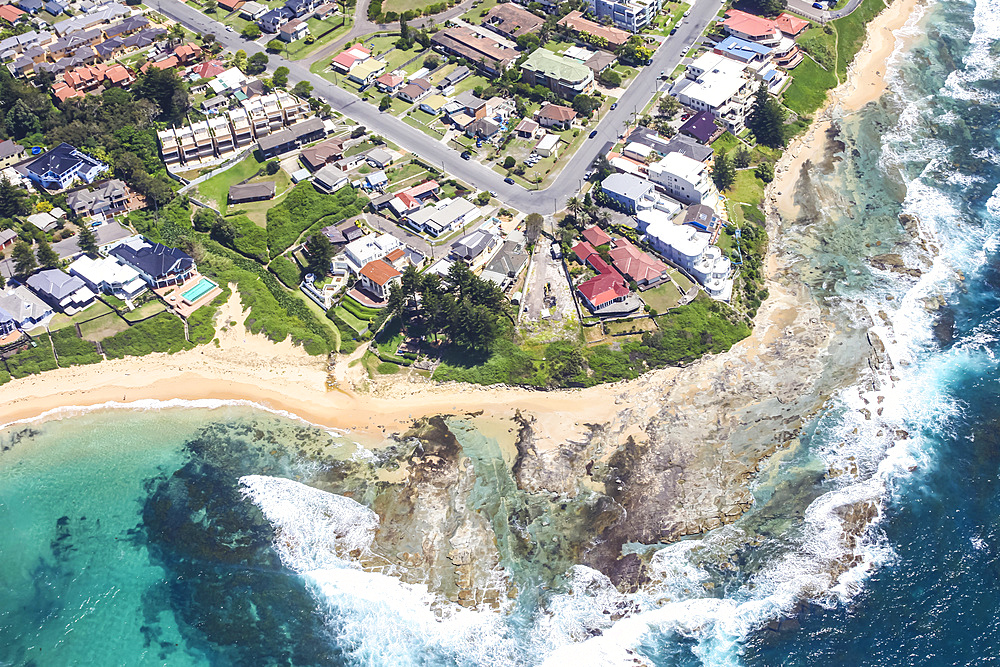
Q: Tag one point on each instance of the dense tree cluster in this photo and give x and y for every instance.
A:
(767, 119)
(461, 307)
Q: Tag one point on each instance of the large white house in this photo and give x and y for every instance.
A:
(683, 178)
(631, 15)
(720, 85)
(109, 276)
(369, 248)
(691, 249)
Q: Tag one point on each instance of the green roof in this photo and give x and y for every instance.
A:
(557, 67)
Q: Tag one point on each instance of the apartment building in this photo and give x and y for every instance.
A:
(631, 15)
(563, 76)
(719, 85)
(683, 178)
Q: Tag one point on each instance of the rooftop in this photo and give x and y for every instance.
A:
(557, 67)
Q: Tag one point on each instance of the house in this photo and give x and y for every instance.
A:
(302, 7)
(109, 276)
(323, 153)
(239, 194)
(505, 265)
(526, 129)
(187, 53)
(208, 69)
(329, 179)
(55, 7)
(325, 11)
(213, 104)
(512, 21)
(44, 221)
(751, 28)
(8, 237)
(11, 14)
(703, 218)
(475, 248)
(484, 128)
(614, 37)
(292, 137)
(348, 58)
(631, 15)
(365, 72)
(158, 265)
(272, 20)
(602, 291)
(293, 30)
(404, 204)
(343, 233)
(433, 104)
(107, 200)
(547, 145)
(556, 115)
(790, 26)
(414, 90)
(740, 50)
(11, 152)
(31, 6)
(596, 236)
(106, 235)
(701, 127)
(600, 61)
(376, 276)
(369, 248)
(423, 191)
(252, 11)
(638, 152)
(104, 14)
(676, 144)
(66, 293)
(59, 167)
(389, 83)
(377, 180)
(691, 249)
(443, 216)
(230, 79)
(488, 55)
(231, 5)
(458, 74)
(636, 265)
(21, 309)
(683, 179)
(563, 76)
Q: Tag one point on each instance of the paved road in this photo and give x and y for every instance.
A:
(546, 201)
(805, 8)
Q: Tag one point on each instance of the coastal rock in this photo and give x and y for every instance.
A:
(894, 262)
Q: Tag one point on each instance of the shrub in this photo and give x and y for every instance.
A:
(33, 359)
(286, 270)
(73, 350)
(303, 206)
(161, 333)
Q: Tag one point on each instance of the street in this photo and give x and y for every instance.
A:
(547, 201)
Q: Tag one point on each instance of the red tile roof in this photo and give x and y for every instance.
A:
(575, 20)
(748, 24)
(422, 188)
(207, 70)
(389, 80)
(603, 289)
(583, 250)
(65, 92)
(790, 25)
(557, 112)
(634, 264)
(409, 201)
(599, 265)
(379, 272)
(596, 236)
(347, 58)
(231, 5)
(10, 13)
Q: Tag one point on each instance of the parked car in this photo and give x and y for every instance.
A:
(229, 28)
(614, 105)
(593, 133)
(493, 193)
(466, 155)
(509, 180)
(672, 31)
(817, 5)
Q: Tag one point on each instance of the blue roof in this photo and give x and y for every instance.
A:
(742, 50)
(770, 75)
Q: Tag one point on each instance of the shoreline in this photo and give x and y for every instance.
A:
(279, 376)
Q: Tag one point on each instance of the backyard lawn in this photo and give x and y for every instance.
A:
(325, 31)
(216, 189)
(101, 328)
(61, 321)
(661, 298)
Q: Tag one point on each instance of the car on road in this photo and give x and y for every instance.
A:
(466, 155)
(593, 133)
(817, 5)
(493, 193)
(509, 180)
(614, 105)
(663, 75)
(672, 31)
(229, 28)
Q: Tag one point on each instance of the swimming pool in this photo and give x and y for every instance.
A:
(203, 287)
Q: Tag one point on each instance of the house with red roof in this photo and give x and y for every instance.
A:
(751, 28)
(424, 190)
(376, 277)
(389, 83)
(556, 115)
(10, 13)
(584, 251)
(596, 236)
(790, 26)
(187, 53)
(602, 291)
(634, 264)
(348, 58)
(209, 69)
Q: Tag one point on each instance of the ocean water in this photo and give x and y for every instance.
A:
(223, 534)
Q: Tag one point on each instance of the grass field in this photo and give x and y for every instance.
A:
(61, 321)
(216, 189)
(101, 328)
(148, 309)
(661, 298)
(339, 24)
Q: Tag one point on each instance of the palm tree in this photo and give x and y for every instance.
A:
(575, 206)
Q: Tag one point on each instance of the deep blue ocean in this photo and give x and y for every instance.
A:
(204, 533)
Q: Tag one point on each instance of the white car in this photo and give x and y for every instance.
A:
(229, 28)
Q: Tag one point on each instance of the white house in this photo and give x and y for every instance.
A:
(67, 293)
(690, 249)
(21, 309)
(368, 249)
(683, 178)
(720, 85)
(443, 216)
(109, 276)
(547, 145)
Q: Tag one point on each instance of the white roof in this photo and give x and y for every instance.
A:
(680, 165)
(638, 149)
(42, 220)
(685, 239)
(547, 142)
(444, 212)
(105, 270)
(713, 63)
(625, 165)
(231, 78)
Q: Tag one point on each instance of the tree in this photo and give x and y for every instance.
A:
(669, 106)
(767, 7)
(723, 172)
(176, 33)
(240, 59)
(384, 103)
(21, 120)
(257, 63)
(280, 78)
(211, 6)
(166, 90)
(767, 119)
(276, 45)
(47, 257)
(742, 158)
(509, 162)
(765, 172)
(319, 251)
(635, 52)
(24, 260)
(13, 200)
(431, 62)
(250, 31)
(272, 167)
(204, 219)
(610, 78)
(303, 89)
(87, 240)
(533, 227)
(225, 231)
(585, 104)
(3, 281)
(483, 198)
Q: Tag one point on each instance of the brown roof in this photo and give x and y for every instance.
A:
(557, 112)
(379, 272)
(249, 191)
(323, 153)
(575, 20)
(511, 19)
(472, 45)
(394, 255)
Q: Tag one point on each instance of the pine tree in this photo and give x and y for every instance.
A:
(87, 240)
(767, 119)
(320, 252)
(24, 260)
(723, 172)
(47, 257)
(742, 158)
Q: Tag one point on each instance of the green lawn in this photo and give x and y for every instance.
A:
(557, 45)
(395, 58)
(334, 27)
(61, 320)
(725, 143)
(810, 83)
(680, 279)
(661, 298)
(148, 309)
(216, 189)
(479, 9)
(101, 328)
